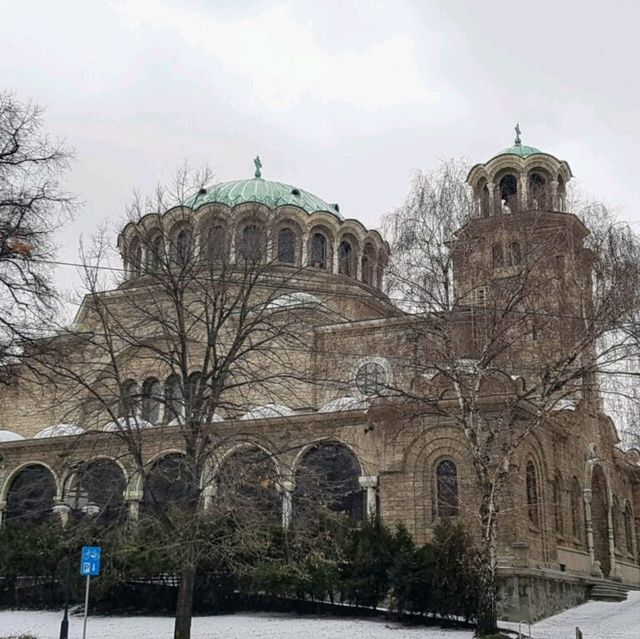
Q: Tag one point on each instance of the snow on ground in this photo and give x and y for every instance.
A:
(46, 625)
(596, 619)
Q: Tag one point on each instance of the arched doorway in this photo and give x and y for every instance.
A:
(600, 520)
(30, 497)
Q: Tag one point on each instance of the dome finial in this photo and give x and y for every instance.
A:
(258, 164)
(518, 141)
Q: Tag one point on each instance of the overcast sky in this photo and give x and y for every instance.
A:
(342, 98)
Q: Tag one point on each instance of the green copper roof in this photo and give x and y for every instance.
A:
(521, 150)
(271, 194)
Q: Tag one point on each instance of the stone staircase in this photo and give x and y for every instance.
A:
(608, 591)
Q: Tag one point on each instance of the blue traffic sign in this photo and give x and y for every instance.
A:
(90, 562)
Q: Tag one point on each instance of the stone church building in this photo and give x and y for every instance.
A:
(572, 514)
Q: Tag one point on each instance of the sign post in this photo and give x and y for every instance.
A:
(89, 567)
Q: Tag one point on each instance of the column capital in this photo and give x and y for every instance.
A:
(368, 481)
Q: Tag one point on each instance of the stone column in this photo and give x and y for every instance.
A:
(134, 497)
(370, 483)
(62, 510)
(553, 196)
(493, 206)
(614, 571)
(523, 192)
(286, 487)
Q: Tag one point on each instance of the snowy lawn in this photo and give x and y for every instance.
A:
(597, 620)
(46, 625)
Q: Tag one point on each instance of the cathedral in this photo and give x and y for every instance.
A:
(359, 359)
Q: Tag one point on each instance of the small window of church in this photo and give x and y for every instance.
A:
(532, 495)
(497, 256)
(446, 489)
(371, 379)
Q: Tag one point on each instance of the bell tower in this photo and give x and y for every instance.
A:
(522, 251)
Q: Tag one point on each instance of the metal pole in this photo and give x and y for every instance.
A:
(86, 609)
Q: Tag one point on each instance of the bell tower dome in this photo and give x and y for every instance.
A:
(519, 178)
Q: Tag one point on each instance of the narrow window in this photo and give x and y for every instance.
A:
(446, 489)
(496, 256)
(576, 509)
(253, 243)
(532, 495)
(173, 398)
(515, 255)
(557, 503)
(151, 400)
(319, 251)
(287, 246)
(183, 247)
(628, 528)
(345, 253)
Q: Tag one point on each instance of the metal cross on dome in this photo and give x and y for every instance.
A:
(258, 166)
(518, 140)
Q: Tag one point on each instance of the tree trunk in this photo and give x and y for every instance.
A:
(184, 607)
(487, 601)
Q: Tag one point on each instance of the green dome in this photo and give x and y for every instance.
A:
(271, 194)
(520, 150)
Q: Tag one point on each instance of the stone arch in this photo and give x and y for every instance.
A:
(101, 482)
(30, 493)
(246, 482)
(327, 475)
(423, 455)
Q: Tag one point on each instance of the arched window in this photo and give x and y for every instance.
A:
(151, 400)
(318, 251)
(628, 528)
(184, 247)
(538, 191)
(287, 246)
(515, 255)
(369, 265)
(128, 401)
(576, 508)
(509, 193)
(328, 477)
(557, 503)
(135, 257)
(253, 245)
(173, 398)
(446, 489)
(497, 257)
(215, 243)
(156, 254)
(533, 508)
(345, 258)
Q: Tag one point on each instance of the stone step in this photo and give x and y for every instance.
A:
(608, 591)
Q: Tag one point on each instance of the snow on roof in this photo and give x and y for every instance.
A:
(268, 411)
(9, 436)
(60, 430)
(294, 299)
(344, 403)
(123, 424)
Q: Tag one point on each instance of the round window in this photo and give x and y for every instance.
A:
(371, 378)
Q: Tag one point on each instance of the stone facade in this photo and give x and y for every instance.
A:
(587, 510)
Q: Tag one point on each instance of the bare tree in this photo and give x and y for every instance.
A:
(193, 333)
(506, 333)
(33, 205)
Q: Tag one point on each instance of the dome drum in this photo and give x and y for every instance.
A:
(299, 231)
